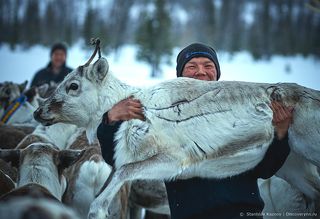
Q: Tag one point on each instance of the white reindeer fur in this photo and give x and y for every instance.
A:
(110, 91)
(224, 128)
(58, 134)
(301, 174)
(92, 176)
(282, 200)
(294, 189)
(86, 178)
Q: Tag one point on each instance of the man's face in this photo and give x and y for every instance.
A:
(58, 57)
(200, 68)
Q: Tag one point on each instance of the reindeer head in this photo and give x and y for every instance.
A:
(76, 99)
(10, 91)
(42, 163)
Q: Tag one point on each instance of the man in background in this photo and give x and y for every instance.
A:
(56, 70)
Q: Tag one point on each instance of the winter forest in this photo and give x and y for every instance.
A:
(264, 28)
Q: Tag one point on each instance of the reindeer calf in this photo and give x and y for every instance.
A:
(40, 183)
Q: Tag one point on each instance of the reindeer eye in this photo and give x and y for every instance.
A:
(73, 86)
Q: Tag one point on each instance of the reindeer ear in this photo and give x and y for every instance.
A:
(100, 69)
(42, 90)
(68, 157)
(23, 86)
(31, 93)
(40, 100)
(10, 155)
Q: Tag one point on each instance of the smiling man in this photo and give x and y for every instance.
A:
(199, 198)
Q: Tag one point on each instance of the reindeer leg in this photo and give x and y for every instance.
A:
(160, 166)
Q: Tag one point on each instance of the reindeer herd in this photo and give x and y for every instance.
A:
(53, 171)
(51, 162)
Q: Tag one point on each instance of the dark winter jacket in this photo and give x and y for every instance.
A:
(199, 198)
(46, 75)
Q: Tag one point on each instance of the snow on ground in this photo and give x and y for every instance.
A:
(20, 65)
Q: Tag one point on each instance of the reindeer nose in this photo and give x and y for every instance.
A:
(37, 113)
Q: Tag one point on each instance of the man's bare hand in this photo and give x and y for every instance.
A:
(282, 118)
(125, 110)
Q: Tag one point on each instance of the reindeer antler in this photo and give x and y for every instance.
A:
(96, 42)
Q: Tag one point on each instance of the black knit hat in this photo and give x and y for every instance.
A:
(196, 50)
(58, 46)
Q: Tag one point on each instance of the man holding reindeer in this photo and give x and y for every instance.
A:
(201, 198)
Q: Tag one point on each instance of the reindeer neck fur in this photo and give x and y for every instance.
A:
(42, 171)
(54, 135)
(111, 91)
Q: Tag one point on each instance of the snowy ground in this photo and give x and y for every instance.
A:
(20, 65)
